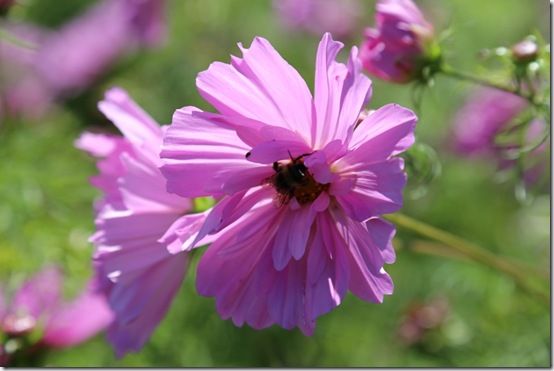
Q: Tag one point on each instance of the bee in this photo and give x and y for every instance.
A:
(295, 180)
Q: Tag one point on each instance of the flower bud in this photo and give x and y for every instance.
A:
(402, 47)
(525, 51)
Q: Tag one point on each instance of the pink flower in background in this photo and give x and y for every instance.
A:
(137, 221)
(488, 113)
(338, 17)
(38, 304)
(73, 57)
(61, 63)
(397, 49)
(302, 185)
(485, 114)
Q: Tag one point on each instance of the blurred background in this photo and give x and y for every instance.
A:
(445, 311)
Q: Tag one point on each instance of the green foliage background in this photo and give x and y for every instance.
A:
(46, 214)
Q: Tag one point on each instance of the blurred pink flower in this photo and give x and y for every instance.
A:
(397, 49)
(38, 304)
(61, 63)
(73, 57)
(488, 113)
(298, 224)
(137, 221)
(485, 114)
(338, 17)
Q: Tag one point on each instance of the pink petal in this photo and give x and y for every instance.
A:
(232, 208)
(143, 187)
(261, 86)
(286, 299)
(340, 93)
(109, 149)
(275, 150)
(135, 124)
(327, 269)
(39, 295)
(200, 156)
(385, 132)
(233, 93)
(368, 280)
(329, 77)
(184, 232)
(376, 189)
(232, 265)
(356, 91)
(382, 233)
(318, 166)
(141, 305)
(280, 82)
(75, 322)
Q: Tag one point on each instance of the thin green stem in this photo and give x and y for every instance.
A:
(473, 252)
(464, 76)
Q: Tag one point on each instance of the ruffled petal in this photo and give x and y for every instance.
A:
(183, 234)
(340, 93)
(384, 133)
(327, 269)
(382, 233)
(200, 156)
(140, 305)
(142, 187)
(233, 271)
(261, 86)
(367, 190)
(368, 280)
(108, 148)
(135, 124)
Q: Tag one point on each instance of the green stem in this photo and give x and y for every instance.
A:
(473, 252)
(451, 72)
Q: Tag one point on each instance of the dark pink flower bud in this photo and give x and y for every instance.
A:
(401, 45)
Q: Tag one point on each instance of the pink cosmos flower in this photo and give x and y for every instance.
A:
(317, 16)
(56, 64)
(137, 221)
(302, 186)
(485, 114)
(398, 48)
(38, 304)
(488, 113)
(73, 57)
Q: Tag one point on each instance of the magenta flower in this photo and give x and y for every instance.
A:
(302, 191)
(339, 17)
(401, 45)
(489, 113)
(137, 222)
(76, 55)
(61, 63)
(38, 305)
(486, 113)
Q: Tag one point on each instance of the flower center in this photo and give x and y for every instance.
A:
(295, 180)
